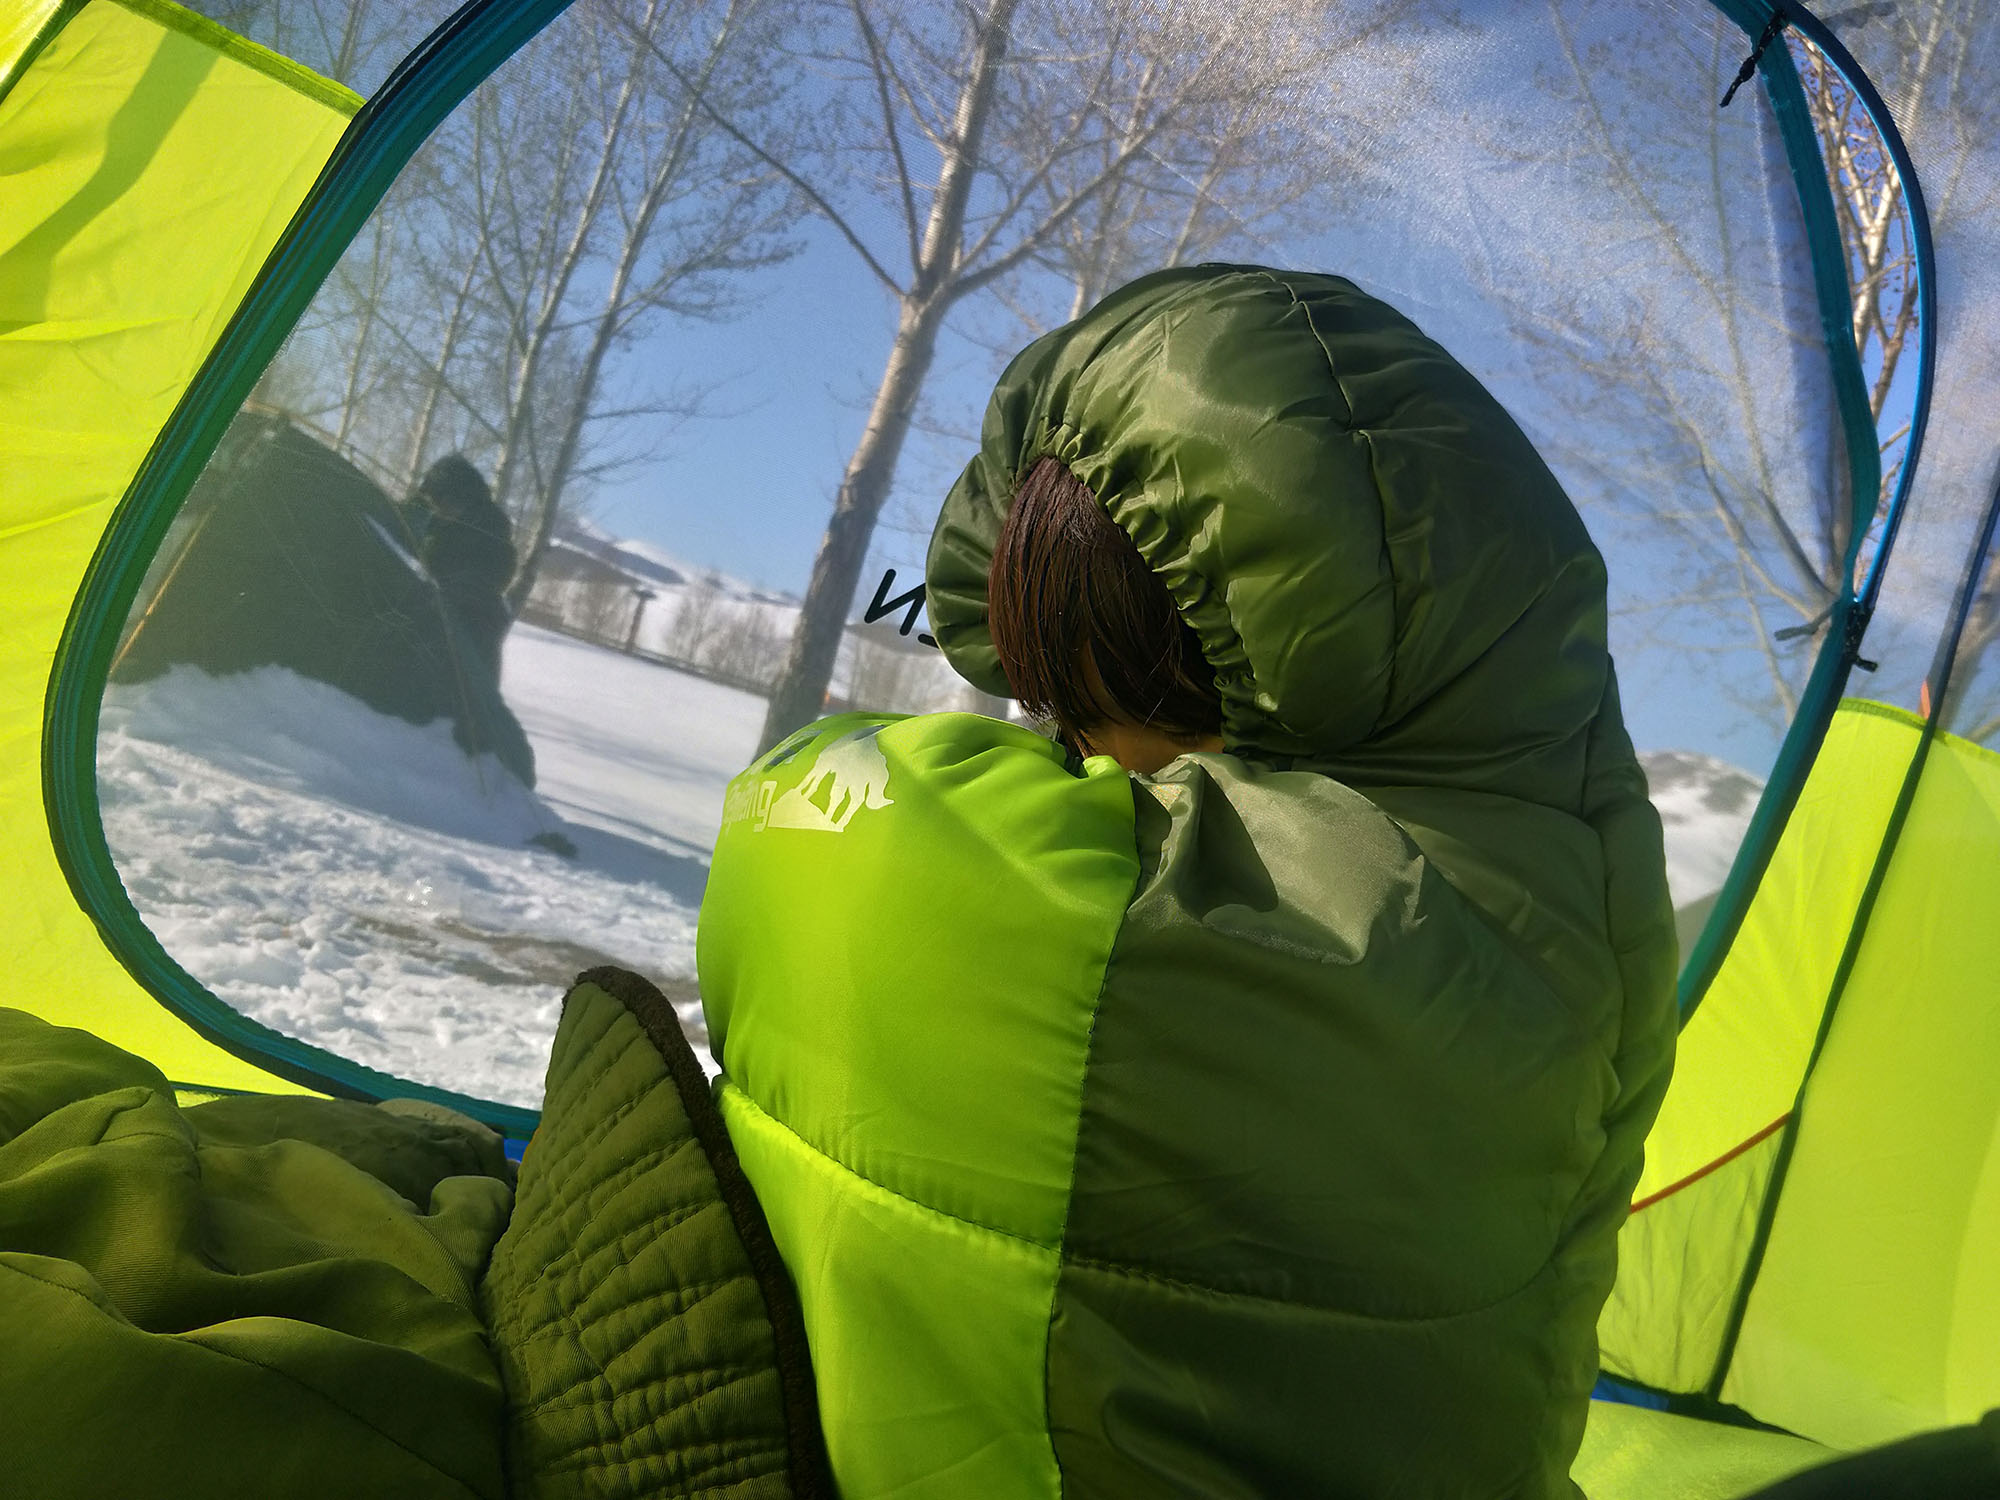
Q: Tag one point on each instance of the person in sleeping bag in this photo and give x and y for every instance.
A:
(1239, 1095)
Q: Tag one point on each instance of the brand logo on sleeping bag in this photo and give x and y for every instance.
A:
(849, 775)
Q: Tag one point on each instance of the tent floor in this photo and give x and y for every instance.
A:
(1632, 1453)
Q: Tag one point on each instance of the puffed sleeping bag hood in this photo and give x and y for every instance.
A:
(1303, 467)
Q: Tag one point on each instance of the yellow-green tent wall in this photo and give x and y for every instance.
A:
(1740, 1060)
(1876, 1311)
(150, 161)
(1815, 1237)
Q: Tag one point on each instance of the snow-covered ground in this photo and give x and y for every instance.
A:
(625, 747)
(357, 882)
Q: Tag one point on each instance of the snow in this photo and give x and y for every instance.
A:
(359, 883)
(298, 735)
(627, 747)
(648, 562)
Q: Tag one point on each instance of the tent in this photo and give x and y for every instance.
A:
(1756, 340)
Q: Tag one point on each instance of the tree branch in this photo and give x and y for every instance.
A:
(878, 68)
(811, 194)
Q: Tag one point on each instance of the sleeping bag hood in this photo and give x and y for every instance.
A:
(1385, 576)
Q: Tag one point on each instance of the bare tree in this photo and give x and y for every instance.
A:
(748, 643)
(355, 42)
(581, 196)
(881, 676)
(1874, 219)
(1931, 58)
(698, 620)
(645, 209)
(1695, 405)
(1251, 157)
(599, 607)
(995, 134)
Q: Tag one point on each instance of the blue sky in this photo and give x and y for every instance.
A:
(747, 490)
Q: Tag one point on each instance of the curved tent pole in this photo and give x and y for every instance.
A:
(425, 87)
(1925, 255)
(1853, 609)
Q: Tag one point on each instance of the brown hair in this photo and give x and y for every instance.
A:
(1087, 632)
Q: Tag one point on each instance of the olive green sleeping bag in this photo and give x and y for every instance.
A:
(254, 1296)
(299, 1297)
(1262, 1126)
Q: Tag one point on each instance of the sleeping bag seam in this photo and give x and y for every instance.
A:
(1360, 435)
(916, 1203)
(731, 1375)
(1076, 1133)
(1116, 1268)
(696, 1293)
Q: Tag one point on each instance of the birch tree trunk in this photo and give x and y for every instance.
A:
(800, 690)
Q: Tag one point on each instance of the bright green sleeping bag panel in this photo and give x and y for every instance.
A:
(904, 1077)
(1262, 1126)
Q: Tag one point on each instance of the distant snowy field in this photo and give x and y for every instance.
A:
(357, 882)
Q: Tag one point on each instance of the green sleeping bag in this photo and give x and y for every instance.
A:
(1260, 1127)
(253, 1296)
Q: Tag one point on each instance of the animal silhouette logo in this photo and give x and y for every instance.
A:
(853, 775)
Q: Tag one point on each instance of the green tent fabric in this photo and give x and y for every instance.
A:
(1637, 1451)
(1305, 1075)
(147, 254)
(287, 555)
(1814, 1238)
(250, 1296)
